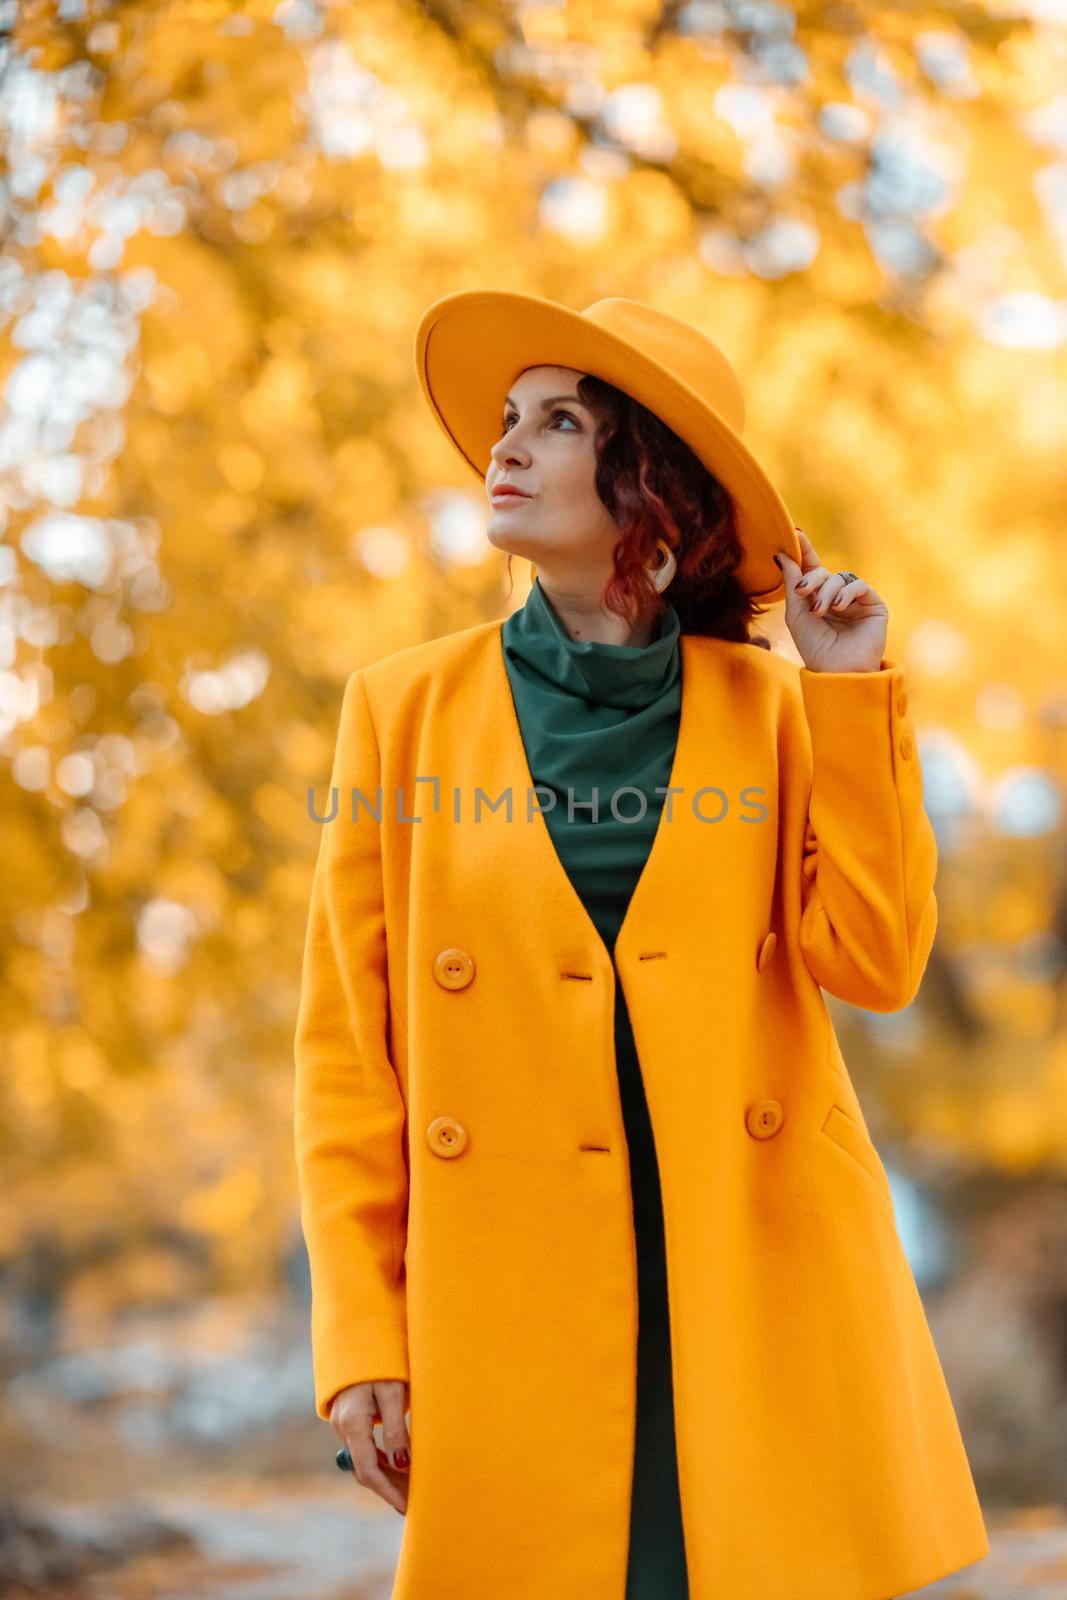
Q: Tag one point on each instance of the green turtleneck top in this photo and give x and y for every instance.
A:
(596, 717)
(605, 717)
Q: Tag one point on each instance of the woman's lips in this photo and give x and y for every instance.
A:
(509, 494)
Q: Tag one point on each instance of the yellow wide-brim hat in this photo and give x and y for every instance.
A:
(470, 346)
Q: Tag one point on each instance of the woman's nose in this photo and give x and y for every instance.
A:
(507, 449)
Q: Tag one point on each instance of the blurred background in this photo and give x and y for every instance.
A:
(221, 491)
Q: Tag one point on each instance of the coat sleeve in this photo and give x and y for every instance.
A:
(870, 855)
(349, 1112)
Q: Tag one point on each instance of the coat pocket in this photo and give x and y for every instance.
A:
(838, 1126)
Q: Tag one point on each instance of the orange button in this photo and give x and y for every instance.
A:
(453, 968)
(902, 704)
(446, 1137)
(764, 1118)
(906, 748)
(766, 950)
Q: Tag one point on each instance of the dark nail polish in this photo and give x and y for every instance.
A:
(401, 1459)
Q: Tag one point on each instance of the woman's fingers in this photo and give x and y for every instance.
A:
(828, 590)
(835, 593)
(832, 592)
(811, 582)
(809, 556)
(801, 585)
(854, 590)
(392, 1403)
(371, 1468)
(352, 1416)
(810, 567)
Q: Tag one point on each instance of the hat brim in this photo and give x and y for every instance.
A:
(470, 345)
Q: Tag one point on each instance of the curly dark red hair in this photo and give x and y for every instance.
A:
(655, 487)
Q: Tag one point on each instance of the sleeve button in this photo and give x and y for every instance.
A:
(906, 747)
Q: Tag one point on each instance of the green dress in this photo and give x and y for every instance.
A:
(605, 717)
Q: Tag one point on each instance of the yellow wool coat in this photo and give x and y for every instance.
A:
(463, 1166)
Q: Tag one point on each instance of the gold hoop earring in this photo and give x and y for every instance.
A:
(660, 576)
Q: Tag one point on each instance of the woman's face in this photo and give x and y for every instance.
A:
(545, 449)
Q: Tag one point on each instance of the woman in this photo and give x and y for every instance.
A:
(583, 1174)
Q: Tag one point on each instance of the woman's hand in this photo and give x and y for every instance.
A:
(832, 637)
(352, 1418)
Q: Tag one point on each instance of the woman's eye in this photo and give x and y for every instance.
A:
(511, 418)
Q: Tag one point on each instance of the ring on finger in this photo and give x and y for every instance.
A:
(849, 577)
